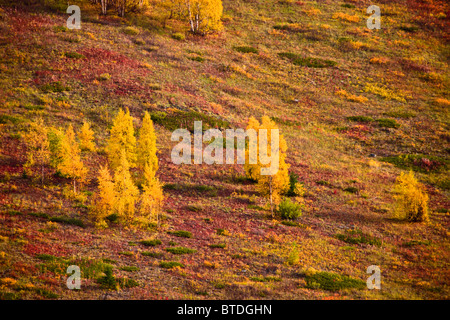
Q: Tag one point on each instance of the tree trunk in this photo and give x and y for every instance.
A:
(271, 200)
(157, 219)
(197, 19)
(104, 4)
(191, 21)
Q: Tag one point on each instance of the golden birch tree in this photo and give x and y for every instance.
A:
(122, 138)
(71, 164)
(38, 147)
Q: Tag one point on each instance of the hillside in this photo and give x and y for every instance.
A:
(356, 106)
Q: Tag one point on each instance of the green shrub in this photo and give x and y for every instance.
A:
(179, 36)
(127, 283)
(159, 116)
(46, 257)
(246, 49)
(139, 42)
(14, 213)
(293, 257)
(107, 260)
(4, 119)
(181, 233)
(194, 208)
(388, 123)
(218, 245)
(357, 237)
(256, 207)
(332, 282)
(126, 253)
(170, 264)
(308, 61)
(39, 215)
(131, 31)
(290, 27)
(74, 39)
(152, 254)
(73, 55)
(15, 136)
(204, 188)
(46, 293)
(289, 210)
(113, 217)
(295, 188)
(180, 250)
(409, 28)
(289, 223)
(323, 183)
(293, 180)
(68, 220)
(197, 58)
(416, 243)
(151, 243)
(351, 190)
(33, 107)
(362, 119)
(56, 86)
(9, 295)
(108, 281)
(129, 268)
(265, 279)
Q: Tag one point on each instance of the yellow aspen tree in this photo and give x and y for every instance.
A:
(86, 137)
(270, 186)
(71, 164)
(122, 138)
(411, 198)
(146, 149)
(169, 7)
(124, 6)
(106, 199)
(202, 15)
(273, 185)
(55, 137)
(38, 146)
(127, 193)
(152, 197)
(252, 170)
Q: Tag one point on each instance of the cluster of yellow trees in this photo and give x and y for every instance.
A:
(411, 198)
(59, 149)
(202, 15)
(118, 193)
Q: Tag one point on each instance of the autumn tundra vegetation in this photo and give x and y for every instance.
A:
(87, 179)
